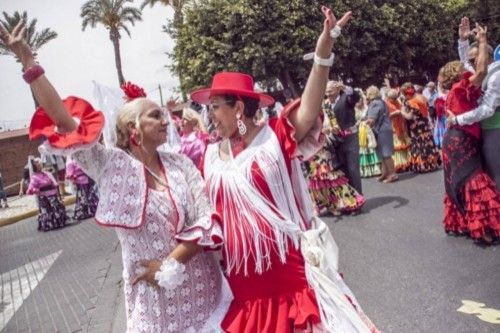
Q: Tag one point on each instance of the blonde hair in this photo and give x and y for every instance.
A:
(129, 113)
(372, 93)
(330, 85)
(451, 73)
(392, 93)
(194, 117)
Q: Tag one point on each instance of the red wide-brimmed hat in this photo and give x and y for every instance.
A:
(90, 124)
(231, 83)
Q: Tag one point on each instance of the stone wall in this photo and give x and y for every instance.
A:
(14, 150)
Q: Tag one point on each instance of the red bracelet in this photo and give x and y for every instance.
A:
(33, 73)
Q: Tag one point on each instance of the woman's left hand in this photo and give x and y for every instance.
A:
(149, 267)
(325, 41)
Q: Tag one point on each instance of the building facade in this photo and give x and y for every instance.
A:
(15, 147)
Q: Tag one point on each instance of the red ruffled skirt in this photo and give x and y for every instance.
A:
(482, 209)
(277, 301)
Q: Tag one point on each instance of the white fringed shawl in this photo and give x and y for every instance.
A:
(246, 213)
(244, 205)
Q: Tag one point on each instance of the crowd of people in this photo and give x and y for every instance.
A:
(46, 178)
(255, 186)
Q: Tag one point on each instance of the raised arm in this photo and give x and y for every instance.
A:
(42, 89)
(305, 118)
(463, 43)
(482, 56)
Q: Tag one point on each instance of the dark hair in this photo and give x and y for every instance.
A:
(34, 165)
(251, 104)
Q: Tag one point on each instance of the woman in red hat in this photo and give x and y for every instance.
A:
(155, 201)
(256, 183)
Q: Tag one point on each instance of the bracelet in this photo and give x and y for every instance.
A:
(324, 62)
(335, 32)
(33, 73)
(171, 275)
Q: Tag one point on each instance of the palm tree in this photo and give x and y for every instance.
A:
(177, 5)
(35, 39)
(113, 15)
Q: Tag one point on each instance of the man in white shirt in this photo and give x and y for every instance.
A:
(488, 111)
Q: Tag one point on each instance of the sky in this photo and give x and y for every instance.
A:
(76, 58)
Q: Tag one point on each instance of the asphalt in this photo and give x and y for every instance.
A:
(407, 274)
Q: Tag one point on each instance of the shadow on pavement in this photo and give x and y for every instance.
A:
(372, 203)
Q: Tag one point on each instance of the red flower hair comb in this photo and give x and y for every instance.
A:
(409, 91)
(132, 91)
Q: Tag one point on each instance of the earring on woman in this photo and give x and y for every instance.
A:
(242, 129)
(133, 138)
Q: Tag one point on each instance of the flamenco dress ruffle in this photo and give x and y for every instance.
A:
(401, 154)
(330, 188)
(369, 162)
(482, 209)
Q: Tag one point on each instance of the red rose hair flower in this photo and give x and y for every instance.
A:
(132, 91)
(410, 91)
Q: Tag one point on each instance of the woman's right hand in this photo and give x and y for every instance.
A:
(16, 42)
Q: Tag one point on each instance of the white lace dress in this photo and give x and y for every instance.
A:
(150, 224)
(151, 309)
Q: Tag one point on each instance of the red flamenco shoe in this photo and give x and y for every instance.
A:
(90, 124)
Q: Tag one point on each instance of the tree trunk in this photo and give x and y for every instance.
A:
(288, 84)
(114, 35)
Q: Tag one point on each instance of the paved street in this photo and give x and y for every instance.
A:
(408, 275)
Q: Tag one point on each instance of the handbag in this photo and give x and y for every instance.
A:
(319, 248)
(372, 140)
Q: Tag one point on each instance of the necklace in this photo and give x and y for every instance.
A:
(154, 175)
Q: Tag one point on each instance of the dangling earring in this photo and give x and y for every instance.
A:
(242, 129)
(133, 138)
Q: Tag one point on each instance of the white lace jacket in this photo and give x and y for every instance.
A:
(123, 191)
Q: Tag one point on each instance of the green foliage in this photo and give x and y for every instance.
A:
(35, 39)
(113, 14)
(267, 38)
(264, 38)
(486, 12)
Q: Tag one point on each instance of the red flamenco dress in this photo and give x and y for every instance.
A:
(471, 203)
(271, 291)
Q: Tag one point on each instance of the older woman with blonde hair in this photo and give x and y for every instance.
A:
(378, 119)
(472, 202)
(369, 162)
(156, 202)
(194, 135)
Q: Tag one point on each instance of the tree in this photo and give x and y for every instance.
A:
(486, 12)
(267, 38)
(35, 39)
(264, 38)
(114, 16)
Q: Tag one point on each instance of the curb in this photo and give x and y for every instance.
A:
(34, 212)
